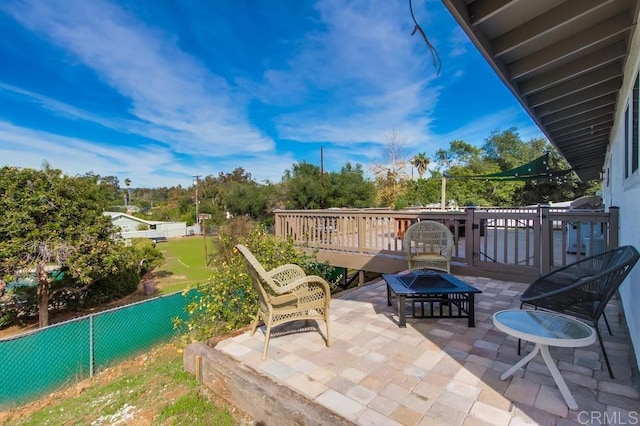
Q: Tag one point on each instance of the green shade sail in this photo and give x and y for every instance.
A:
(537, 169)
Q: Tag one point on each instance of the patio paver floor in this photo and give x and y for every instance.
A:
(439, 371)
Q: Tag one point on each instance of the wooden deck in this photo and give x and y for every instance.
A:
(510, 244)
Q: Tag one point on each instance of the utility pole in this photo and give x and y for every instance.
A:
(322, 176)
(196, 180)
(443, 195)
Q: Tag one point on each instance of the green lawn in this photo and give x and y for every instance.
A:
(184, 265)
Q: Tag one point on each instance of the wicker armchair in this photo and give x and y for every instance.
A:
(428, 245)
(286, 294)
(583, 289)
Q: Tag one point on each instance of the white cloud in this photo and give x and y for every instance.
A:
(173, 96)
(144, 166)
(459, 43)
(364, 71)
(476, 131)
(347, 82)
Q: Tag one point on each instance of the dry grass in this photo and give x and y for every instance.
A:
(151, 389)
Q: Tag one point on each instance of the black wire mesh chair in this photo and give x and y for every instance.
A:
(583, 289)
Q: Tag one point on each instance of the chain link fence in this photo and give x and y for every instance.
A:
(39, 362)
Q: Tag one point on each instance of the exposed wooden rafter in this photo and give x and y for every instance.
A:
(564, 62)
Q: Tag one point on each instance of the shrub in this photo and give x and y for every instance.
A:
(108, 288)
(146, 254)
(18, 303)
(228, 301)
(128, 264)
(6, 319)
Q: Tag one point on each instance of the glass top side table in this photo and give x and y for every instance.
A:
(544, 329)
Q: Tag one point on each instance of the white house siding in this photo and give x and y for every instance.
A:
(168, 230)
(127, 224)
(171, 233)
(129, 227)
(172, 229)
(625, 193)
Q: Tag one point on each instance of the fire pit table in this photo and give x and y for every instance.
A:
(431, 294)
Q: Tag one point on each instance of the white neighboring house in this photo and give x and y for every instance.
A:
(130, 227)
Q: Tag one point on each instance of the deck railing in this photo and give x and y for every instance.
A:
(513, 243)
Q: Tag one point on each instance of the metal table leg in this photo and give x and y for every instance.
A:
(402, 311)
(551, 365)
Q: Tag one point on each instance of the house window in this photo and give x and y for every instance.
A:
(626, 143)
(631, 133)
(634, 127)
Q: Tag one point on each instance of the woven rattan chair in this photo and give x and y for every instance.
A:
(428, 245)
(583, 289)
(286, 294)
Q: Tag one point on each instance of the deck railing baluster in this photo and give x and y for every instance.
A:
(515, 244)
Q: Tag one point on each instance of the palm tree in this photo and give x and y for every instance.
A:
(127, 182)
(420, 162)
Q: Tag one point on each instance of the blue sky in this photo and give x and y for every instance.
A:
(159, 91)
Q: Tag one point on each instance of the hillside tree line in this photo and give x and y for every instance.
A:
(393, 183)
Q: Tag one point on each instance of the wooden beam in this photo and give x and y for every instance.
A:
(582, 128)
(553, 20)
(599, 95)
(481, 10)
(583, 135)
(587, 150)
(583, 139)
(581, 109)
(572, 46)
(575, 85)
(591, 115)
(591, 62)
(604, 121)
(255, 393)
(381, 263)
(588, 114)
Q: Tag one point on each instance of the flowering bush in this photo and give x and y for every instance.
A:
(228, 301)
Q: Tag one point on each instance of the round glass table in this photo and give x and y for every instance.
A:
(544, 329)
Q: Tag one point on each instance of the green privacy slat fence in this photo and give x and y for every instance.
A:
(32, 364)
(37, 363)
(132, 329)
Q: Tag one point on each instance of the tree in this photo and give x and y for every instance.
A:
(246, 198)
(424, 191)
(507, 150)
(349, 188)
(463, 159)
(304, 186)
(239, 174)
(107, 189)
(51, 221)
(111, 187)
(391, 173)
(460, 153)
(421, 162)
(127, 197)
